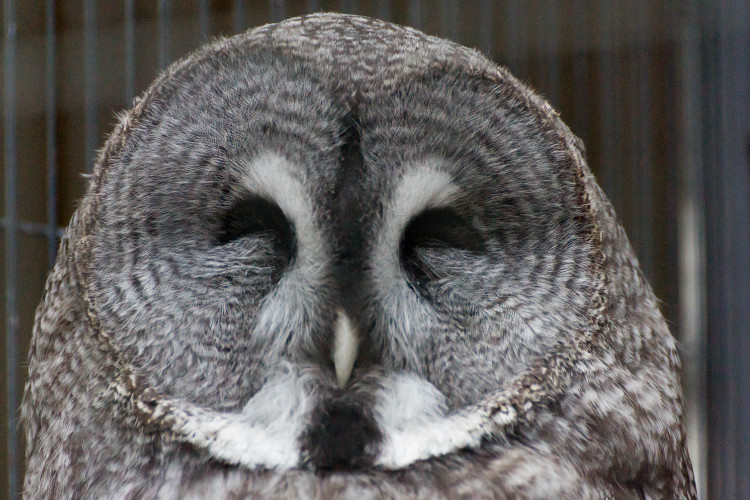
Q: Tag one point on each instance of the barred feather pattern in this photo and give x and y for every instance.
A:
(509, 345)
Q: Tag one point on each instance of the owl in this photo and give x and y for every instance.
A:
(338, 258)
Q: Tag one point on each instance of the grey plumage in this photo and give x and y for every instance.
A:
(336, 166)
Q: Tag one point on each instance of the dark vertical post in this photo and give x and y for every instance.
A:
(641, 137)
(548, 31)
(414, 13)
(11, 247)
(384, 10)
(350, 6)
(691, 245)
(239, 16)
(129, 43)
(203, 20)
(449, 19)
(486, 43)
(278, 10)
(51, 131)
(611, 154)
(516, 41)
(581, 28)
(726, 108)
(313, 5)
(164, 32)
(90, 90)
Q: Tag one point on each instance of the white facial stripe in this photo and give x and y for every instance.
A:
(345, 345)
(265, 434)
(420, 188)
(269, 175)
(434, 438)
(409, 411)
(411, 414)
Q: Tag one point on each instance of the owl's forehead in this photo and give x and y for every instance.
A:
(362, 52)
(460, 123)
(437, 136)
(352, 107)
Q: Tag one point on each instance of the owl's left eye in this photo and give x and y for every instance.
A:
(254, 216)
(440, 228)
(436, 229)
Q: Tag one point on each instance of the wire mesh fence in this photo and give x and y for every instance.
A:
(658, 91)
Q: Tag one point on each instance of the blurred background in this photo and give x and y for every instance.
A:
(659, 91)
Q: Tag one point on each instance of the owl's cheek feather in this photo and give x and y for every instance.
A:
(299, 420)
(412, 416)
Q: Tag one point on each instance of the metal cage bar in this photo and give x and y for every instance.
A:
(239, 15)
(204, 20)
(691, 244)
(129, 49)
(608, 105)
(414, 13)
(277, 10)
(485, 28)
(726, 169)
(313, 5)
(90, 90)
(450, 19)
(51, 130)
(11, 248)
(548, 31)
(384, 10)
(350, 6)
(163, 17)
(580, 75)
(641, 136)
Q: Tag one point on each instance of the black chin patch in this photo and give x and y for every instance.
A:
(342, 435)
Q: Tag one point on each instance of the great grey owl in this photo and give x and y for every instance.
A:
(338, 258)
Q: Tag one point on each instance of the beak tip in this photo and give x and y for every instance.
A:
(345, 346)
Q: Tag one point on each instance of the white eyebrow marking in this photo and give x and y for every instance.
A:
(269, 175)
(345, 345)
(421, 187)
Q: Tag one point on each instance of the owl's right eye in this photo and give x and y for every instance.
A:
(254, 216)
(436, 230)
(440, 227)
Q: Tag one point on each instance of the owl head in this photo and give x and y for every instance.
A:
(338, 244)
